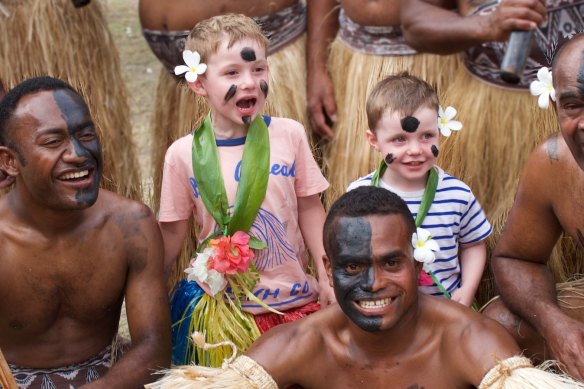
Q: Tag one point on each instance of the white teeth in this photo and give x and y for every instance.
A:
(372, 304)
(72, 176)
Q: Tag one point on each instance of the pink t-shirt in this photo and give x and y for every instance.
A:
(283, 282)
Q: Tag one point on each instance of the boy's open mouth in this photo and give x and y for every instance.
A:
(246, 103)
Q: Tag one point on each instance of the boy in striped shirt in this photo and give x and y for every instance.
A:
(402, 113)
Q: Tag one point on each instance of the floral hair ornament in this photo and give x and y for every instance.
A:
(543, 87)
(445, 122)
(193, 67)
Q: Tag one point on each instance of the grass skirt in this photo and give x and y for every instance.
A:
(354, 75)
(179, 110)
(52, 37)
(501, 129)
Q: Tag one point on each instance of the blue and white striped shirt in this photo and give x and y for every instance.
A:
(455, 217)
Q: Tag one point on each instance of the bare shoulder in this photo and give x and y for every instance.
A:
(480, 341)
(291, 353)
(122, 208)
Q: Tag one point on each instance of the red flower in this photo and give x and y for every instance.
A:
(232, 253)
(425, 279)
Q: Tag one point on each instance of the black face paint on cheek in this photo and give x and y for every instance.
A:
(246, 119)
(434, 150)
(75, 113)
(264, 87)
(389, 159)
(230, 93)
(248, 54)
(353, 246)
(410, 124)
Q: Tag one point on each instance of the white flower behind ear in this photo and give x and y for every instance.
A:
(193, 66)
(424, 246)
(445, 122)
(543, 87)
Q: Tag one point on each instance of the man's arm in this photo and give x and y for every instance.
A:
(482, 343)
(146, 305)
(519, 264)
(433, 28)
(323, 24)
(473, 258)
(173, 236)
(311, 217)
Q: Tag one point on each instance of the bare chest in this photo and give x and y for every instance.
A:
(42, 282)
(372, 12)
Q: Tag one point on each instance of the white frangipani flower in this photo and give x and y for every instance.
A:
(193, 66)
(424, 246)
(198, 271)
(543, 87)
(445, 123)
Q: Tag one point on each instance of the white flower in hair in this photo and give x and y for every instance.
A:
(199, 271)
(445, 122)
(424, 246)
(543, 87)
(193, 66)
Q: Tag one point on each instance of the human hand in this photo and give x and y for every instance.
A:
(326, 294)
(462, 296)
(513, 15)
(565, 340)
(322, 109)
(5, 180)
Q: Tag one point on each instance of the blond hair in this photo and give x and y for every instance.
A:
(402, 93)
(208, 34)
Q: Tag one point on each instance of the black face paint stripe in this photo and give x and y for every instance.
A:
(389, 159)
(264, 87)
(435, 150)
(581, 76)
(410, 124)
(67, 107)
(248, 54)
(246, 119)
(230, 93)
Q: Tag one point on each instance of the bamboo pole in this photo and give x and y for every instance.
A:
(6, 379)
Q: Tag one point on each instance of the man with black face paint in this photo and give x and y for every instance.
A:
(71, 252)
(548, 203)
(383, 333)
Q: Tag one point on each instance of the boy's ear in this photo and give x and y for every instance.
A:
(8, 163)
(329, 269)
(372, 139)
(198, 87)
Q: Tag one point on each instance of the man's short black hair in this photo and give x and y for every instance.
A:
(9, 103)
(577, 37)
(367, 201)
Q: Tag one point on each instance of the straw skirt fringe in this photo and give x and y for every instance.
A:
(354, 74)
(52, 37)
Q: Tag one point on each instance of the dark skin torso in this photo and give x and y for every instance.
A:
(61, 292)
(179, 15)
(372, 12)
(326, 350)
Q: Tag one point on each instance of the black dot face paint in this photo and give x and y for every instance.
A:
(264, 87)
(410, 124)
(248, 54)
(230, 93)
(76, 116)
(352, 268)
(434, 150)
(389, 159)
(246, 119)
